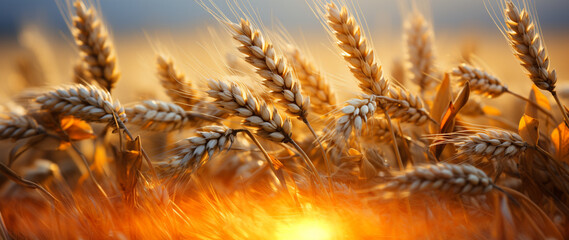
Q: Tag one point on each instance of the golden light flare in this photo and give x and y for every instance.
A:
(308, 228)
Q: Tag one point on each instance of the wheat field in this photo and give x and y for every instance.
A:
(241, 130)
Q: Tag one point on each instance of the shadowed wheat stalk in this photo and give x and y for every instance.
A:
(94, 44)
(419, 37)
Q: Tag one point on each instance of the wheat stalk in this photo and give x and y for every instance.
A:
(96, 49)
(323, 99)
(177, 88)
(17, 127)
(528, 47)
(356, 52)
(240, 102)
(210, 140)
(460, 179)
(530, 50)
(481, 82)
(271, 67)
(406, 107)
(158, 115)
(86, 102)
(492, 144)
(419, 36)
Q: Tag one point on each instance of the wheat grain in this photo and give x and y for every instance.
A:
(323, 99)
(355, 114)
(240, 102)
(481, 82)
(357, 53)
(87, 102)
(444, 177)
(17, 127)
(96, 49)
(528, 47)
(177, 88)
(419, 37)
(271, 67)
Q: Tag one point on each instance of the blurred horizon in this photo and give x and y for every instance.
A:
(149, 15)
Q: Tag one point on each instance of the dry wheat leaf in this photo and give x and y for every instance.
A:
(529, 129)
(537, 97)
(448, 120)
(442, 99)
(560, 138)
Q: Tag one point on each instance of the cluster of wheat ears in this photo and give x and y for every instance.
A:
(390, 163)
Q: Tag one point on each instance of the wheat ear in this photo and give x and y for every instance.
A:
(354, 115)
(96, 49)
(158, 116)
(240, 102)
(87, 102)
(356, 52)
(323, 99)
(210, 140)
(461, 179)
(492, 144)
(271, 67)
(481, 82)
(419, 36)
(529, 49)
(406, 107)
(177, 88)
(17, 127)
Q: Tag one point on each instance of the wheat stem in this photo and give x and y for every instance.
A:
(532, 103)
(395, 146)
(279, 172)
(308, 163)
(323, 152)
(565, 117)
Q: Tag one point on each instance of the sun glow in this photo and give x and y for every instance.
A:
(313, 229)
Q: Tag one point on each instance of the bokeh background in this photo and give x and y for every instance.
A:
(201, 47)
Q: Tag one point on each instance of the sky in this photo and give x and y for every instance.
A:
(140, 15)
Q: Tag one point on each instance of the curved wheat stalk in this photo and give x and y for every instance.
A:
(530, 50)
(273, 68)
(481, 82)
(356, 51)
(528, 47)
(323, 99)
(492, 144)
(240, 102)
(419, 36)
(210, 139)
(158, 115)
(406, 107)
(89, 103)
(448, 178)
(17, 127)
(177, 88)
(96, 49)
